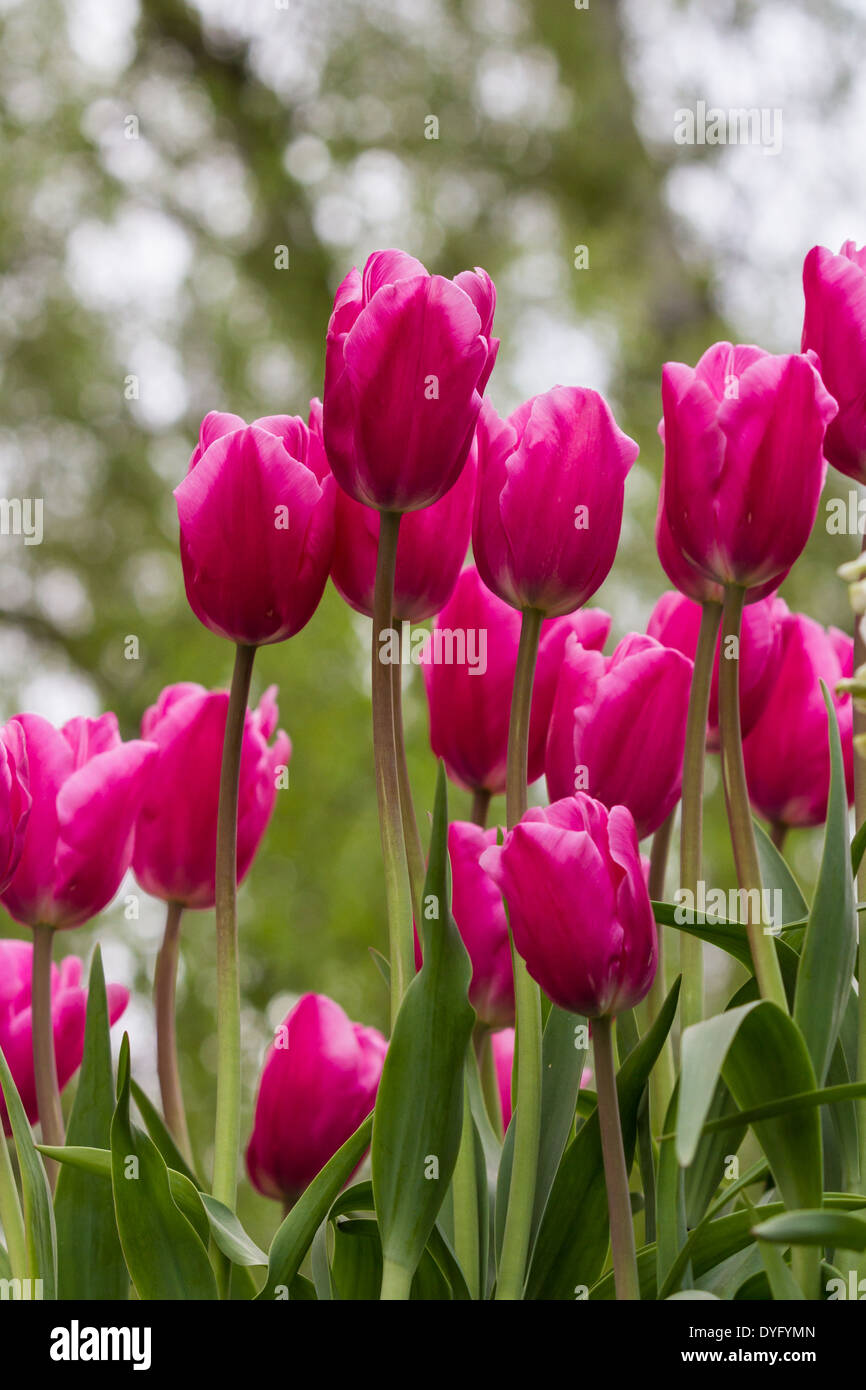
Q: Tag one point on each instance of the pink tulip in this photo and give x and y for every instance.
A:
(87, 787)
(548, 507)
(618, 727)
(256, 513)
(835, 328)
(687, 577)
(502, 1044)
(407, 357)
(787, 754)
(675, 622)
(175, 835)
(15, 800)
(68, 1008)
(578, 904)
(318, 1083)
(744, 464)
(469, 709)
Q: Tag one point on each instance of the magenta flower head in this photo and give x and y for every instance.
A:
(675, 622)
(407, 357)
(787, 754)
(87, 787)
(618, 727)
(744, 460)
(578, 904)
(548, 506)
(175, 834)
(502, 1043)
(835, 328)
(256, 513)
(470, 699)
(319, 1082)
(691, 581)
(68, 1009)
(15, 800)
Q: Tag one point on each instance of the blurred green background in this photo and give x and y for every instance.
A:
(153, 158)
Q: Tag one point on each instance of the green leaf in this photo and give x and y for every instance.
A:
(161, 1135)
(91, 1263)
(670, 1196)
(360, 1198)
(164, 1254)
(36, 1194)
(858, 847)
(840, 1230)
(229, 1234)
(777, 876)
(419, 1108)
(828, 952)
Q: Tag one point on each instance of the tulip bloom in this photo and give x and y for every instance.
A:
(319, 1082)
(675, 622)
(407, 357)
(787, 754)
(15, 800)
(469, 707)
(618, 727)
(548, 507)
(578, 904)
(256, 512)
(68, 1010)
(175, 836)
(744, 464)
(834, 326)
(87, 787)
(690, 581)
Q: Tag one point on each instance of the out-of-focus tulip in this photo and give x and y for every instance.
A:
(675, 622)
(618, 726)
(87, 787)
(744, 464)
(319, 1082)
(502, 1044)
(578, 904)
(407, 357)
(834, 326)
(787, 754)
(175, 835)
(256, 512)
(68, 1009)
(548, 505)
(470, 703)
(15, 799)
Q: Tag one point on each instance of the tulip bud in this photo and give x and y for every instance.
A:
(548, 507)
(834, 326)
(68, 1011)
(15, 800)
(319, 1082)
(175, 835)
(618, 727)
(578, 905)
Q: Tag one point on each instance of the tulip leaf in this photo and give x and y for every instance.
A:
(161, 1135)
(776, 876)
(670, 1196)
(229, 1234)
(418, 1118)
(165, 1255)
(858, 848)
(573, 1237)
(841, 1230)
(830, 945)
(360, 1199)
(706, 1170)
(356, 1264)
(38, 1211)
(91, 1263)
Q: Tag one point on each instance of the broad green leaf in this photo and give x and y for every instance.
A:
(97, 1162)
(858, 847)
(786, 1105)
(706, 1170)
(840, 1230)
(165, 1257)
(36, 1195)
(360, 1199)
(91, 1263)
(671, 1229)
(828, 951)
(229, 1234)
(356, 1264)
(419, 1108)
(161, 1135)
(776, 875)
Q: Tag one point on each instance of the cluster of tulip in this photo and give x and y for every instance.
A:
(554, 921)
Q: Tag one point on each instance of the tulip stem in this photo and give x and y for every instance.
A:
(164, 989)
(859, 817)
(397, 890)
(467, 1246)
(10, 1214)
(480, 807)
(663, 1074)
(411, 838)
(396, 1282)
(779, 834)
(228, 1104)
(527, 996)
(44, 1059)
(764, 958)
(692, 817)
(622, 1246)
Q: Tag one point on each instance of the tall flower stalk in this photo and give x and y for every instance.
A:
(663, 1074)
(622, 1246)
(164, 992)
(44, 1060)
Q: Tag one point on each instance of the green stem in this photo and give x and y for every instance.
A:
(663, 1074)
(467, 1246)
(411, 837)
(228, 1119)
(692, 817)
(859, 817)
(748, 867)
(398, 903)
(779, 834)
(164, 991)
(44, 1060)
(622, 1247)
(10, 1214)
(527, 997)
(396, 1282)
(480, 807)
(489, 1079)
